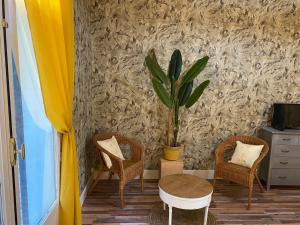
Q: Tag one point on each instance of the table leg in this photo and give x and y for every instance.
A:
(170, 215)
(205, 215)
(164, 206)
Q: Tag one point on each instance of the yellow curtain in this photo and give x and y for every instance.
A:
(52, 31)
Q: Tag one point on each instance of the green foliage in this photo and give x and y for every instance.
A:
(172, 90)
(162, 93)
(196, 94)
(195, 70)
(175, 65)
(184, 93)
(156, 70)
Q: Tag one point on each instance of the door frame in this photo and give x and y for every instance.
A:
(6, 171)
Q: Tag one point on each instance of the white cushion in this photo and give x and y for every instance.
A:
(111, 145)
(245, 154)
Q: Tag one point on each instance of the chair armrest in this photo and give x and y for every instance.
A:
(137, 150)
(219, 152)
(256, 163)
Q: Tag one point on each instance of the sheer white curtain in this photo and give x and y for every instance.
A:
(29, 78)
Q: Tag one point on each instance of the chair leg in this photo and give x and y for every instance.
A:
(259, 184)
(215, 179)
(110, 175)
(121, 191)
(142, 181)
(250, 195)
(214, 182)
(96, 180)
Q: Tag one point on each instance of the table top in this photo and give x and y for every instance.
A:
(185, 186)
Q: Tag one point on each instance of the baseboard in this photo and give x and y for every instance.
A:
(88, 185)
(205, 174)
(154, 174)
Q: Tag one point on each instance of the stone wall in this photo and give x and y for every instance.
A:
(254, 50)
(82, 112)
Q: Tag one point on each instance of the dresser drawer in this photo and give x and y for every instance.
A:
(286, 150)
(285, 177)
(286, 162)
(286, 139)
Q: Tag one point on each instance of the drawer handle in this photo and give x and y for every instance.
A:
(284, 163)
(281, 177)
(285, 151)
(286, 139)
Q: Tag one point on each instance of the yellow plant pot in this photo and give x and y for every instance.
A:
(172, 153)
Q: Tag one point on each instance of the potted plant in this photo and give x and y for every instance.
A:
(175, 90)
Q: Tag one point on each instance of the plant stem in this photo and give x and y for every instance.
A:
(175, 137)
(169, 127)
(176, 123)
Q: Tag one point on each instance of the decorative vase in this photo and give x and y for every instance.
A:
(172, 153)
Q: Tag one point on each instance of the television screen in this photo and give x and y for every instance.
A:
(293, 116)
(286, 116)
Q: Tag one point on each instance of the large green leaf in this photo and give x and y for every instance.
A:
(196, 94)
(194, 71)
(156, 70)
(175, 65)
(184, 93)
(162, 93)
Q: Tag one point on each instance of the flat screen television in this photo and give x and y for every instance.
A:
(286, 116)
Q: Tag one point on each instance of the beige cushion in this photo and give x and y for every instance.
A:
(111, 145)
(245, 155)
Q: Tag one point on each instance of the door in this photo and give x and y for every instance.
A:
(34, 144)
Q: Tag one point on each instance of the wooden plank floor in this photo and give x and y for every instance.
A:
(278, 206)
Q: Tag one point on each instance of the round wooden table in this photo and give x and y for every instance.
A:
(185, 191)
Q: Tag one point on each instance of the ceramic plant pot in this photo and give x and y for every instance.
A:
(172, 153)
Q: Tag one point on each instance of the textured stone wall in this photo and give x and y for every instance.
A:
(254, 49)
(82, 112)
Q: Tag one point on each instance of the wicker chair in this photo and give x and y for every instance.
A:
(125, 169)
(235, 173)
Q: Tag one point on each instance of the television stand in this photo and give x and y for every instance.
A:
(282, 164)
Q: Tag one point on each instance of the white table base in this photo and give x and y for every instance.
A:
(185, 203)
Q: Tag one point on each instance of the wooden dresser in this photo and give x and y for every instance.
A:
(282, 164)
